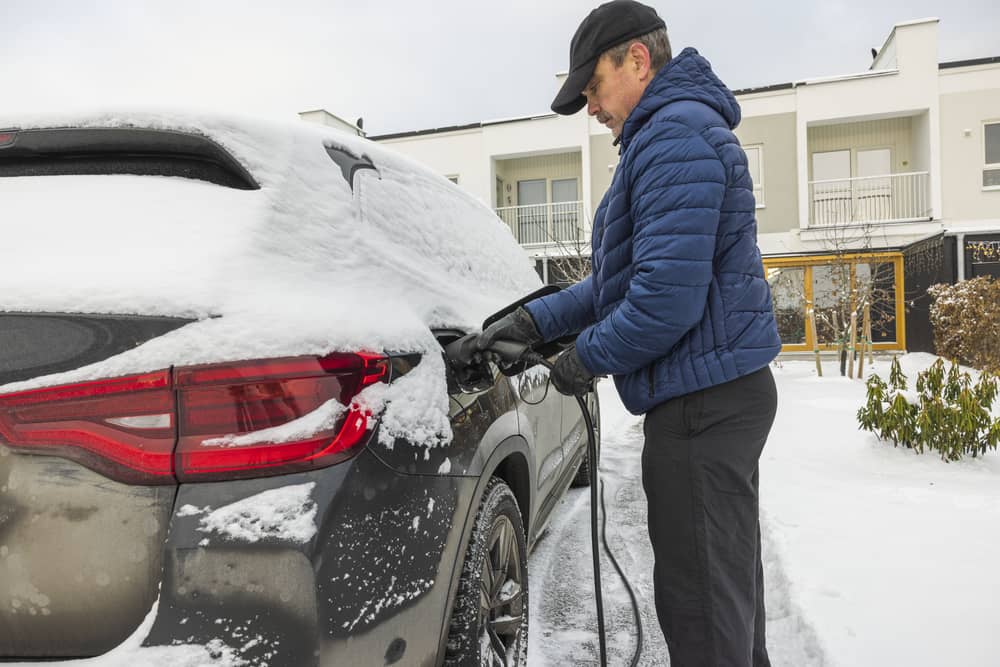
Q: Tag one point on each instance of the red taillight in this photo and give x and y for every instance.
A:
(123, 427)
(7, 137)
(127, 428)
(216, 403)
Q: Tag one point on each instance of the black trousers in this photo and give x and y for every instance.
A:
(699, 471)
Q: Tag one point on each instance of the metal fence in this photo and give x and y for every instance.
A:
(893, 197)
(558, 222)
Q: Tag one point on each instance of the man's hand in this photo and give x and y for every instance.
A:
(569, 376)
(515, 326)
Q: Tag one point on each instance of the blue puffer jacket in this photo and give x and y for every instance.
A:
(677, 299)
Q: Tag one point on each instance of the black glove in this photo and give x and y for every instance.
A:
(515, 326)
(569, 376)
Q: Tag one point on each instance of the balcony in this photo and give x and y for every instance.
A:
(553, 223)
(871, 199)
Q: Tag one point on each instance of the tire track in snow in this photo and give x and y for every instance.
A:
(563, 616)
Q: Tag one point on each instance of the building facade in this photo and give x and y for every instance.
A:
(860, 180)
(324, 117)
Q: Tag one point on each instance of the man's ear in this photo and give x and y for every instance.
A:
(640, 59)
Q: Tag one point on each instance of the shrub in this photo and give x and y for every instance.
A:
(949, 415)
(966, 322)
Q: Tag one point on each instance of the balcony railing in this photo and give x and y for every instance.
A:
(889, 198)
(559, 222)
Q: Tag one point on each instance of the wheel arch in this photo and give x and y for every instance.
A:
(510, 462)
(513, 470)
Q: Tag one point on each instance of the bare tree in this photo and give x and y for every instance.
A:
(566, 234)
(572, 264)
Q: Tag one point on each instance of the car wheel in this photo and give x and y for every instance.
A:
(489, 622)
(583, 472)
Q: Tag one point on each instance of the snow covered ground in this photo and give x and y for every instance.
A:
(873, 555)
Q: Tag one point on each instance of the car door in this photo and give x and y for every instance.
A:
(574, 429)
(540, 409)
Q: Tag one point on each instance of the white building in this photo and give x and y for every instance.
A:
(860, 167)
(324, 117)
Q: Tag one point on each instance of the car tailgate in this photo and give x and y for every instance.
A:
(80, 537)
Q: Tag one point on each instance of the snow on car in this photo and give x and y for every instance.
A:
(224, 406)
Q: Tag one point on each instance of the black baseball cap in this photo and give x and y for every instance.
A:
(609, 25)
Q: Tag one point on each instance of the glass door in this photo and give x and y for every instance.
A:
(532, 211)
(873, 194)
(566, 210)
(831, 187)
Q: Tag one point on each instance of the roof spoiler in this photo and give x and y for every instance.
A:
(104, 151)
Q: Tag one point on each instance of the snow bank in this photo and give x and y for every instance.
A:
(888, 553)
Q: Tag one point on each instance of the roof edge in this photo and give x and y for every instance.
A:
(433, 130)
(459, 128)
(765, 89)
(969, 63)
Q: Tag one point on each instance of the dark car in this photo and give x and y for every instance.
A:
(227, 428)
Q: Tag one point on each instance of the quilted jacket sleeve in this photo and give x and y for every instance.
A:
(566, 312)
(676, 184)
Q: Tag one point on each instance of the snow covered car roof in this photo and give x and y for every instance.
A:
(308, 263)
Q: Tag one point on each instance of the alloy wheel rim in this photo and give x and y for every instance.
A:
(502, 609)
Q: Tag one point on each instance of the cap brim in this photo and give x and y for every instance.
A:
(570, 98)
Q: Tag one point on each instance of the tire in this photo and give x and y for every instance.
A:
(479, 634)
(582, 477)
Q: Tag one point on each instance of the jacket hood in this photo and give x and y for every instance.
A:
(688, 76)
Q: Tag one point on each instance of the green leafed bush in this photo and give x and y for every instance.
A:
(950, 413)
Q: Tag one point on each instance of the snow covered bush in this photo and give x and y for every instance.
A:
(950, 414)
(966, 321)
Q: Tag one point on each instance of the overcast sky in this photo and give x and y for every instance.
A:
(406, 65)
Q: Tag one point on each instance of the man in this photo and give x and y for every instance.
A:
(678, 311)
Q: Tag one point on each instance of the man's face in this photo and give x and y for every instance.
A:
(613, 92)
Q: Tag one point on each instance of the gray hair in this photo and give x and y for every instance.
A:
(657, 42)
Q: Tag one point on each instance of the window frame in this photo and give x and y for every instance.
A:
(552, 189)
(988, 166)
(759, 201)
(811, 261)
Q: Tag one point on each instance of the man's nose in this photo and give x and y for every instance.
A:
(592, 107)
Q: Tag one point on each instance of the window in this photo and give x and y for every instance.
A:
(788, 297)
(991, 141)
(831, 288)
(755, 165)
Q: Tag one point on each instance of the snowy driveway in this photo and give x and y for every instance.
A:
(873, 555)
(563, 618)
